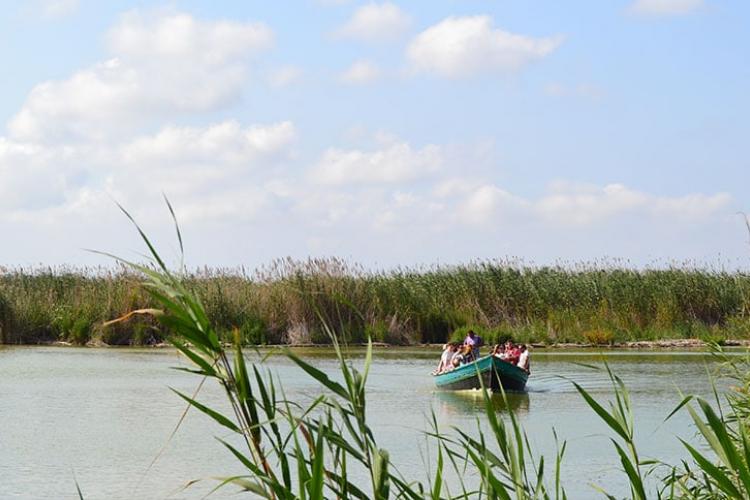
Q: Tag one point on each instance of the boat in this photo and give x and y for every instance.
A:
(490, 371)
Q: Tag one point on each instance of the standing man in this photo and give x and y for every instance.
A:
(475, 341)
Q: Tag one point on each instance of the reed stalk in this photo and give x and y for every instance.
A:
(597, 303)
(295, 451)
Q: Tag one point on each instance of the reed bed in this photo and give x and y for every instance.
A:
(297, 451)
(289, 302)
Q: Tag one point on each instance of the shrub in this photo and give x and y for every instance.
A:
(253, 332)
(599, 336)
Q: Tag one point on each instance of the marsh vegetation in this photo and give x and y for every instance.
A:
(295, 450)
(284, 302)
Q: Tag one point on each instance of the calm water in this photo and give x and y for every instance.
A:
(100, 416)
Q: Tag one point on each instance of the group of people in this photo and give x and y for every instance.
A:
(456, 354)
(514, 354)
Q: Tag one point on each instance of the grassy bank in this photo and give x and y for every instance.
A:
(284, 303)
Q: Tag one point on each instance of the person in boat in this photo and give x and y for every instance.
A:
(498, 351)
(523, 358)
(450, 351)
(444, 362)
(470, 353)
(512, 353)
(463, 356)
(475, 342)
(504, 349)
(450, 356)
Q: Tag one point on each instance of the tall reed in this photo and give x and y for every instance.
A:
(595, 303)
(295, 451)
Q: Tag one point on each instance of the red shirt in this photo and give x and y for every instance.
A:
(513, 355)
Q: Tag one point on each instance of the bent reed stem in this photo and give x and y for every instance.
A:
(278, 465)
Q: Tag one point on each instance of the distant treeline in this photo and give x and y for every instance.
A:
(289, 302)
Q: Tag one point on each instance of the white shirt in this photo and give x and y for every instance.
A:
(523, 360)
(445, 358)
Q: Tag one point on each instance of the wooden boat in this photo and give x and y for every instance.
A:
(492, 370)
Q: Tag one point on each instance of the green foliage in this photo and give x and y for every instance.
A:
(6, 319)
(378, 332)
(253, 332)
(291, 451)
(599, 336)
(595, 303)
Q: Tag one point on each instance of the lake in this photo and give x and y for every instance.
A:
(101, 416)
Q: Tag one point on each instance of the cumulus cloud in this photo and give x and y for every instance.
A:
(462, 46)
(397, 162)
(423, 220)
(226, 143)
(239, 177)
(665, 7)
(211, 171)
(567, 204)
(162, 64)
(489, 204)
(27, 179)
(207, 169)
(161, 37)
(576, 204)
(375, 22)
(360, 72)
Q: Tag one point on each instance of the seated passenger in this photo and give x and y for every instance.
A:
(468, 352)
(444, 362)
(523, 359)
(458, 359)
(512, 353)
(506, 349)
(463, 356)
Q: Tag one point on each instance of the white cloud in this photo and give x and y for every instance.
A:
(226, 143)
(375, 22)
(207, 170)
(665, 7)
(162, 37)
(460, 218)
(395, 163)
(461, 46)
(489, 204)
(575, 204)
(27, 178)
(239, 178)
(164, 63)
(360, 72)
(567, 204)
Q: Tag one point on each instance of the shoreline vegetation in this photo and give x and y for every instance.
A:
(290, 303)
(310, 450)
(667, 344)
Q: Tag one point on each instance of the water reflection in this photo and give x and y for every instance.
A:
(99, 396)
(451, 403)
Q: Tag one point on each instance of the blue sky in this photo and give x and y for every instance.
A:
(384, 132)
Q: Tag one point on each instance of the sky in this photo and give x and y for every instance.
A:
(385, 133)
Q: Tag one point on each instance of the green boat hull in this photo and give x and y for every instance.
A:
(489, 371)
